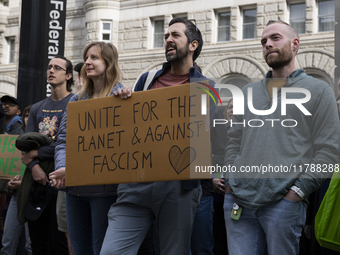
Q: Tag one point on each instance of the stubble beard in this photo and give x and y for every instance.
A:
(283, 58)
(180, 55)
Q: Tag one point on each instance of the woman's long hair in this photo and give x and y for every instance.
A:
(26, 111)
(112, 73)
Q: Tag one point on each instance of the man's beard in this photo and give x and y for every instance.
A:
(179, 55)
(284, 57)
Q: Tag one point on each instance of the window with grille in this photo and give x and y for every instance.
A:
(158, 33)
(11, 50)
(223, 27)
(326, 16)
(106, 31)
(249, 24)
(298, 17)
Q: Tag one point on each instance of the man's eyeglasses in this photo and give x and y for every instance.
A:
(9, 104)
(55, 67)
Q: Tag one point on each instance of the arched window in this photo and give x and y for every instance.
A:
(319, 74)
(233, 79)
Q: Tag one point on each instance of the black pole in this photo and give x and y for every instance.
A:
(42, 36)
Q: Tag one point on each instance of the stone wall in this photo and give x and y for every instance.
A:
(132, 35)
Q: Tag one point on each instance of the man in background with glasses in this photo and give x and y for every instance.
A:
(12, 115)
(45, 117)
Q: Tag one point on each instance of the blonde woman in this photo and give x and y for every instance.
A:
(87, 206)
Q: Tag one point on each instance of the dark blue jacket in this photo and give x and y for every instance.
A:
(194, 76)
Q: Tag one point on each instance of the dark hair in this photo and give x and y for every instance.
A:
(27, 110)
(198, 67)
(2, 121)
(192, 33)
(69, 69)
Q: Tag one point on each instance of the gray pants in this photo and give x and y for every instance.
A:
(61, 211)
(13, 230)
(138, 205)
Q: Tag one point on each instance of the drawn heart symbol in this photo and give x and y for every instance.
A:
(181, 160)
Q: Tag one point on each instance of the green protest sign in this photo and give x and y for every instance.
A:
(10, 159)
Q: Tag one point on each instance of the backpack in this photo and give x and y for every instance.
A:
(149, 79)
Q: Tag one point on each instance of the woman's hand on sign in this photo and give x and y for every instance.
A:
(57, 178)
(15, 182)
(57, 174)
(58, 183)
(123, 93)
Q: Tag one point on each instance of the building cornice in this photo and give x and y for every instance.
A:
(8, 79)
(75, 13)
(4, 12)
(127, 4)
(101, 4)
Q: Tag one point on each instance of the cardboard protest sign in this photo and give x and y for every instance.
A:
(10, 159)
(156, 135)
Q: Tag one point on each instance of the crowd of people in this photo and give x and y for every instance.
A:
(227, 214)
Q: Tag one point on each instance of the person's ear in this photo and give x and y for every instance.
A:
(295, 44)
(193, 46)
(69, 76)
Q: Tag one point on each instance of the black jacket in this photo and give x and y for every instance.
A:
(27, 142)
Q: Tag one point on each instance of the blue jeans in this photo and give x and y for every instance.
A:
(273, 230)
(202, 238)
(87, 222)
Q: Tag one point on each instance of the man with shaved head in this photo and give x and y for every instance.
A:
(265, 212)
(286, 48)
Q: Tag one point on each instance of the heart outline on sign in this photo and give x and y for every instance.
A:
(181, 160)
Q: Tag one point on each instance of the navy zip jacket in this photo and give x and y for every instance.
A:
(194, 76)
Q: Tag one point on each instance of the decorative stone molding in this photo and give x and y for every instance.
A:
(4, 12)
(74, 13)
(7, 86)
(101, 4)
(152, 66)
(125, 4)
(316, 59)
(244, 65)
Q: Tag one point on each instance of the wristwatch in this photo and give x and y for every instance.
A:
(298, 191)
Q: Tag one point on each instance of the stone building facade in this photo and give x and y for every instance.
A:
(231, 30)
